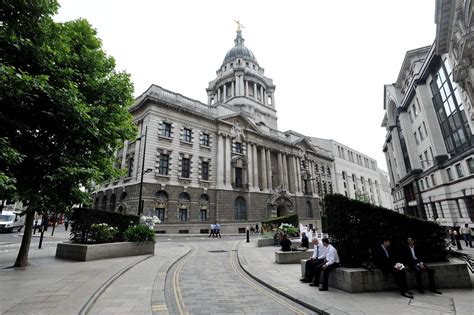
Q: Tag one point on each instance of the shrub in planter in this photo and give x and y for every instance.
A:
(139, 233)
(103, 233)
(272, 224)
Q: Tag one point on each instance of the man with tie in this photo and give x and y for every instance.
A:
(387, 262)
(330, 262)
(413, 259)
(315, 261)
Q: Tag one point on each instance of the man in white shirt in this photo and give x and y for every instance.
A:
(330, 262)
(315, 261)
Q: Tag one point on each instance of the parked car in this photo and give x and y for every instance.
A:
(10, 220)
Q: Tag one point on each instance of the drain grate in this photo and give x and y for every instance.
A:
(217, 251)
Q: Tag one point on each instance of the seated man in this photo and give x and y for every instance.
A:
(304, 240)
(387, 262)
(413, 259)
(315, 261)
(330, 262)
(285, 244)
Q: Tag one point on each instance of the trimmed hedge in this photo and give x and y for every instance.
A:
(357, 229)
(276, 222)
(83, 218)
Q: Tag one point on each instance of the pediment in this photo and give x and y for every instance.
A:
(304, 145)
(239, 123)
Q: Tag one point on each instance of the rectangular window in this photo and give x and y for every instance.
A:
(424, 129)
(459, 170)
(130, 166)
(470, 165)
(238, 177)
(415, 110)
(427, 182)
(450, 174)
(427, 161)
(329, 171)
(185, 167)
(166, 131)
(433, 181)
(203, 215)
(421, 134)
(416, 138)
(205, 170)
(238, 147)
(187, 135)
(164, 164)
(160, 213)
(183, 214)
(205, 139)
(409, 115)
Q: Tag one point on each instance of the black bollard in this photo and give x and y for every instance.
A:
(35, 227)
(41, 237)
(248, 235)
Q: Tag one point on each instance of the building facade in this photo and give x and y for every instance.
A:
(429, 122)
(194, 164)
(357, 175)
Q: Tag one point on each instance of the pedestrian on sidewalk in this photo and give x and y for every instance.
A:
(466, 234)
(256, 228)
(213, 229)
(457, 237)
(218, 230)
(66, 224)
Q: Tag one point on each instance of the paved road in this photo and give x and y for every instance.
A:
(208, 280)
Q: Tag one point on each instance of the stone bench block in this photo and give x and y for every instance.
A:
(292, 257)
(448, 275)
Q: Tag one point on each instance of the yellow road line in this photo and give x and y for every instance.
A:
(176, 286)
(159, 307)
(233, 254)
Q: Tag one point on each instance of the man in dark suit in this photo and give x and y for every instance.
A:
(414, 260)
(389, 265)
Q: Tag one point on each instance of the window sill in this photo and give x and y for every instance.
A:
(163, 176)
(187, 179)
(205, 181)
(186, 143)
(202, 146)
(165, 138)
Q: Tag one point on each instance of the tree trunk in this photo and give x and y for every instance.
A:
(22, 258)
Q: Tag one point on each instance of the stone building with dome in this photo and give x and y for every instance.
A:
(224, 161)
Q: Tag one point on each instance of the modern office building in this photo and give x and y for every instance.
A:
(429, 121)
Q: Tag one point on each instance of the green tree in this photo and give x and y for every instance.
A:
(64, 108)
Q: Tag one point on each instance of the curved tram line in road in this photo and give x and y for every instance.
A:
(236, 267)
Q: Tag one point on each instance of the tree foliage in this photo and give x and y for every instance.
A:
(64, 107)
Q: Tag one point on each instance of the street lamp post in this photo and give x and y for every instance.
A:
(140, 207)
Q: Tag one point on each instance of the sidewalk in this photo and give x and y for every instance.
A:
(259, 262)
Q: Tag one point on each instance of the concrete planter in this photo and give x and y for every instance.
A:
(87, 252)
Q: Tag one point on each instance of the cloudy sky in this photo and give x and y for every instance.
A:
(329, 60)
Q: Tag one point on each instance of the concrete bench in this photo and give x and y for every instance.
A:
(293, 257)
(448, 275)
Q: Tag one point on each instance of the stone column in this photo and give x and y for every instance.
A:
(263, 163)
(224, 92)
(285, 172)
(220, 162)
(264, 96)
(255, 166)
(291, 174)
(241, 85)
(269, 169)
(233, 91)
(250, 163)
(311, 173)
(297, 176)
(228, 168)
(280, 169)
(255, 90)
(123, 165)
(246, 88)
(218, 95)
(261, 94)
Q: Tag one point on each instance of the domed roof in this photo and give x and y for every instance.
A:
(239, 50)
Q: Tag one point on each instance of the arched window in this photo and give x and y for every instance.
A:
(104, 203)
(309, 209)
(112, 202)
(183, 200)
(240, 208)
(161, 204)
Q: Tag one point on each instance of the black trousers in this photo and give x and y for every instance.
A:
(418, 273)
(326, 272)
(310, 267)
(401, 280)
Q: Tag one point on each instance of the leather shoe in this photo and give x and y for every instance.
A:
(313, 285)
(435, 291)
(323, 289)
(407, 295)
(305, 280)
